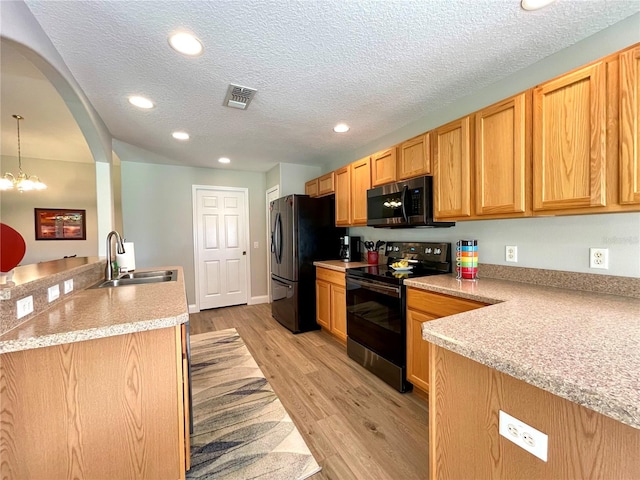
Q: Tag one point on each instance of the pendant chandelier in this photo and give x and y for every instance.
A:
(22, 182)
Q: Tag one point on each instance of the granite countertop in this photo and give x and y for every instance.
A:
(103, 312)
(581, 346)
(338, 265)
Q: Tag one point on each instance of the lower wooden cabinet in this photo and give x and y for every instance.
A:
(331, 302)
(114, 407)
(423, 306)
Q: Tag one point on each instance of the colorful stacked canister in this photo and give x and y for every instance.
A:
(467, 259)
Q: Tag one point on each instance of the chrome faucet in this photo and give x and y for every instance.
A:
(108, 271)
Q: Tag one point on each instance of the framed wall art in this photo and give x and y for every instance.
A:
(60, 224)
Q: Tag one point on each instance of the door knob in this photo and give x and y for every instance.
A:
(244, 253)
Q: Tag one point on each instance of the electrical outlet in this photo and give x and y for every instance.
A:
(24, 306)
(523, 435)
(53, 292)
(599, 258)
(511, 253)
(68, 286)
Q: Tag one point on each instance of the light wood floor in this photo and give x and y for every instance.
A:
(356, 426)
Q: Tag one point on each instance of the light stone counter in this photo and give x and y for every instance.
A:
(581, 346)
(102, 312)
(339, 265)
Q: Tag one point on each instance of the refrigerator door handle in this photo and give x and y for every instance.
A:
(277, 232)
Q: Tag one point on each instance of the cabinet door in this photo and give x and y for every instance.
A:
(311, 188)
(630, 127)
(339, 312)
(501, 156)
(415, 157)
(417, 350)
(360, 183)
(325, 184)
(569, 140)
(383, 167)
(323, 304)
(452, 170)
(343, 196)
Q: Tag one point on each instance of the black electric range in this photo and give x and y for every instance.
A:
(376, 305)
(425, 258)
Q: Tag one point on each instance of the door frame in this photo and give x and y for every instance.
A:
(243, 190)
(275, 188)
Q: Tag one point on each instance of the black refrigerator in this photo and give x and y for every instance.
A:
(302, 230)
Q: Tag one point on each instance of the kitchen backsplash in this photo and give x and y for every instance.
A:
(551, 243)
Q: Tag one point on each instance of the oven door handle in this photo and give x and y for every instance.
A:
(383, 288)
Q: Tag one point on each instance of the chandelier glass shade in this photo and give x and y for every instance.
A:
(21, 182)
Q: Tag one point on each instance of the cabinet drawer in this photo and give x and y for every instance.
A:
(438, 304)
(331, 276)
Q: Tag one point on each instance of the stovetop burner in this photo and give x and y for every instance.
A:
(425, 258)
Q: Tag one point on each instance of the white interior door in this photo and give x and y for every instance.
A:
(221, 246)
(272, 194)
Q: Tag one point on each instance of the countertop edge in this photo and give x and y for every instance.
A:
(603, 402)
(9, 346)
(573, 393)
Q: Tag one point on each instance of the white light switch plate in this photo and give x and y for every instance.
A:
(68, 285)
(523, 435)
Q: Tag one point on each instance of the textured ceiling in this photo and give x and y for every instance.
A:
(376, 65)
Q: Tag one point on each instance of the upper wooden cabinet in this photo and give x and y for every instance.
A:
(415, 157)
(326, 184)
(343, 196)
(383, 167)
(311, 188)
(360, 183)
(630, 126)
(452, 169)
(569, 140)
(502, 156)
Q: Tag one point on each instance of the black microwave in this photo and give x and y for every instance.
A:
(403, 204)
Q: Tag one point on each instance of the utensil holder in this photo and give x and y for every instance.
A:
(372, 258)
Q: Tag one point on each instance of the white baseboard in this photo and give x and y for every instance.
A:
(193, 309)
(257, 300)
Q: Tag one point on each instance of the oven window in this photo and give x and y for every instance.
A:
(375, 321)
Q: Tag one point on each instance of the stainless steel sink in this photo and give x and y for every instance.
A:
(139, 278)
(153, 273)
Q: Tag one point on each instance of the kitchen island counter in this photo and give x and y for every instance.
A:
(581, 346)
(102, 312)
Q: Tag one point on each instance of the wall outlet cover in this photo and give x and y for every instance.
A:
(68, 285)
(24, 306)
(53, 292)
(511, 253)
(523, 435)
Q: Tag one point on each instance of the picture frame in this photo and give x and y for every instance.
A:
(60, 224)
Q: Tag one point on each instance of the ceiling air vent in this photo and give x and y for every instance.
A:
(239, 97)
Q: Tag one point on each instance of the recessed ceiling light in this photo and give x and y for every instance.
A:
(224, 160)
(341, 128)
(186, 43)
(535, 4)
(140, 102)
(180, 135)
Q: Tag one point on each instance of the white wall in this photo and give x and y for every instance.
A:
(157, 215)
(69, 185)
(291, 177)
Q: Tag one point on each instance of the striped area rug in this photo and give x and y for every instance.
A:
(241, 430)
